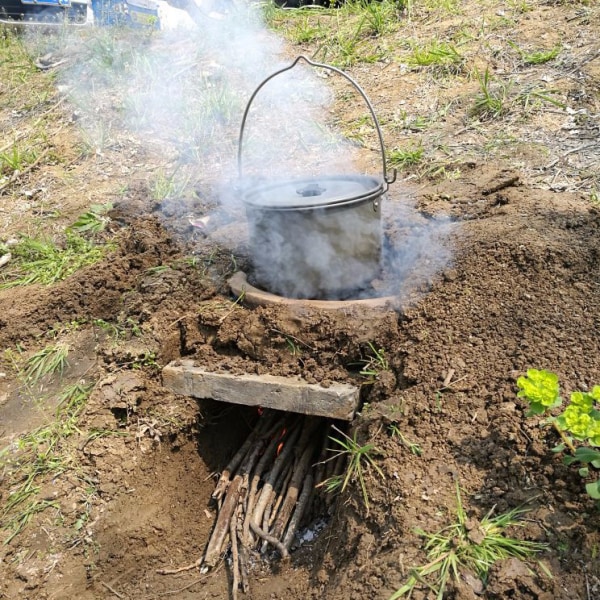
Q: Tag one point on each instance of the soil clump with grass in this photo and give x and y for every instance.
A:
(490, 112)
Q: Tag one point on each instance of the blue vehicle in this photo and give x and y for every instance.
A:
(47, 12)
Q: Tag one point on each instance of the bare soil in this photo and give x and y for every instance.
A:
(513, 283)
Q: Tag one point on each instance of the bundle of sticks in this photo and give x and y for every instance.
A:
(268, 487)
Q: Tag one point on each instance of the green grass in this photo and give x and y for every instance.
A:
(492, 100)
(37, 456)
(436, 54)
(51, 360)
(540, 57)
(405, 157)
(467, 546)
(42, 261)
(164, 186)
(349, 35)
(413, 447)
(16, 159)
(359, 459)
(536, 57)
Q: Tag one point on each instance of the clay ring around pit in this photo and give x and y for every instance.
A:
(239, 285)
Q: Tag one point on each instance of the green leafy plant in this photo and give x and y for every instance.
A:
(94, 220)
(359, 458)
(578, 425)
(467, 545)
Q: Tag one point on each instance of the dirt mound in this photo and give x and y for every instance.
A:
(504, 275)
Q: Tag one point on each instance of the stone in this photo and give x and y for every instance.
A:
(338, 400)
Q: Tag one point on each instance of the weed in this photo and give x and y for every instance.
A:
(449, 6)
(293, 346)
(378, 17)
(119, 331)
(304, 30)
(359, 458)
(237, 302)
(537, 57)
(521, 6)
(491, 102)
(437, 54)
(146, 360)
(470, 546)
(578, 425)
(39, 261)
(37, 455)
(112, 330)
(533, 96)
(405, 157)
(412, 446)
(94, 220)
(158, 270)
(50, 360)
(372, 365)
(164, 187)
(16, 159)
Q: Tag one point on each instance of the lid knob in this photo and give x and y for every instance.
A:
(311, 189)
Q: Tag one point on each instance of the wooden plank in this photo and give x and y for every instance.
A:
(339, 401)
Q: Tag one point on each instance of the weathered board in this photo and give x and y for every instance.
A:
(338, 401)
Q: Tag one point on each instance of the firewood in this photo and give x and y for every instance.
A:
(269, 538)
(263, 464)
(293, 491)
(263, 425)
(221, 528)
(278, 465)
(303, 500)
(235, 566)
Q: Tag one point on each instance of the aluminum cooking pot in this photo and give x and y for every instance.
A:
(315, 237)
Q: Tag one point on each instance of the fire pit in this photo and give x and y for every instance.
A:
(315, 238)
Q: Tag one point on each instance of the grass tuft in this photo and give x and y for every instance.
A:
(467, 545)
(491, 102)
(39, 261)
(359, 459)
(51, 360)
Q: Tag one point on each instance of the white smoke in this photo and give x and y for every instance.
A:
(181, 93)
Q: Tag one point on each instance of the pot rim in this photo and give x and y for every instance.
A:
(251, 194)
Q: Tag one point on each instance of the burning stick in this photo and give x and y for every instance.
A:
(268, 487)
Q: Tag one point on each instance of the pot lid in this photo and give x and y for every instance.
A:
(314, 192)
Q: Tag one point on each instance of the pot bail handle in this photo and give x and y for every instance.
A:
(386, 178)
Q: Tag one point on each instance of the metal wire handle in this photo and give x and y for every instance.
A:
(387, 179)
